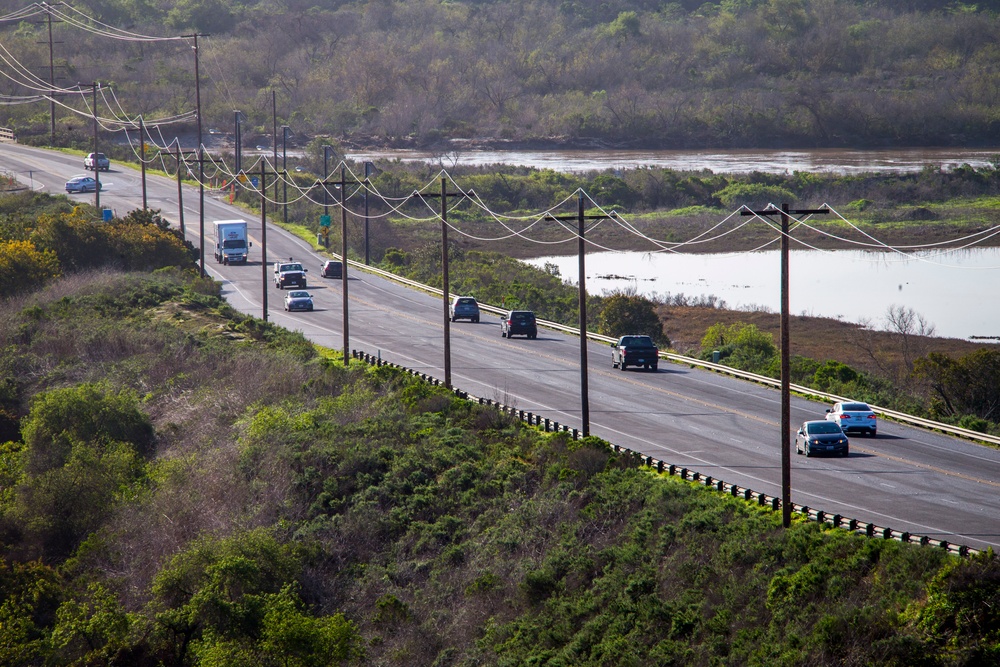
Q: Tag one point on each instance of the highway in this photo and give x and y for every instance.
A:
(908, 479)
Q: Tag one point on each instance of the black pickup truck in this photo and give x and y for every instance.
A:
(635, 351)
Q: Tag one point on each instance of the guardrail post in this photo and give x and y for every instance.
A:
(852, 525)
(870, 530)
(672, 470)
(887, 533)
(708, 481)
(684, 473)
(576, 434)
(905, 537)
(747, 494)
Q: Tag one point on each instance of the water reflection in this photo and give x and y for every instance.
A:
(836, 161)
(955, 290)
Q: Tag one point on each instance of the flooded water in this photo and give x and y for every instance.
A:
(957, 291)
(837, 161)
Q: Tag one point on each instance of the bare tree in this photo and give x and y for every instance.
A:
(911, 328)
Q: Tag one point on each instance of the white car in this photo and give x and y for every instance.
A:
(854, 416)
(95, 161)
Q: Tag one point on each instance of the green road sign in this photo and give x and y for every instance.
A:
(324, 221)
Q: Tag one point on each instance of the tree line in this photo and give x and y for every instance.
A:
(586, 74)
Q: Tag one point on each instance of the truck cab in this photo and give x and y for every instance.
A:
(289, 274)
(231, 243)
(635, 350)
(97, 162)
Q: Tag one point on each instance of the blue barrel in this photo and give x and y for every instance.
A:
(106, 215)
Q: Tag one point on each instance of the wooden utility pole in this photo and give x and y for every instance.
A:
(343, 265)
(52, 85)
(786, 400)
(97, 171)
(263, 236)
(445, 295)
(142, 160)
(582, 266)
(180, 192)
(201, 161)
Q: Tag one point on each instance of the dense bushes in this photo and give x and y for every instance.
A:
(40, 240)
(307, 514)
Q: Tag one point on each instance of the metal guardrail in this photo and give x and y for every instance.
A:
(749, 495)
(7, 134)
(719, 368)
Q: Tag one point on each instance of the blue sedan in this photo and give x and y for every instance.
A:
(298, 300)
(821, 437)
(83, 184)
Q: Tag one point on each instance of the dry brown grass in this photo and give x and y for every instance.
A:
(818, 338)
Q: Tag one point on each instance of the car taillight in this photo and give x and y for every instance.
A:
(845, 416)
(871, 416)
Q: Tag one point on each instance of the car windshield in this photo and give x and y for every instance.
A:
(466, 302)
(291, 267)
(855, 407)
(522, 317)
(298, 295)
(236, 243)
(637, 341)
(815, 428)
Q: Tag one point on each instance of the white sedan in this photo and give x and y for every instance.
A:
(854, 416)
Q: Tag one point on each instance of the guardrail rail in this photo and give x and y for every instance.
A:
(747, 494)
(902, 417)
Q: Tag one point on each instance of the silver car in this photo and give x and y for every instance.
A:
(298, 300)
(83, 184)
(854, 416)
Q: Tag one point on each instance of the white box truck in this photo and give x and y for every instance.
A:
(232, 245)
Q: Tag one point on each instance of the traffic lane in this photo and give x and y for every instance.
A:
(931, 451)
(965, 502)
(719, 439)
(48, 171)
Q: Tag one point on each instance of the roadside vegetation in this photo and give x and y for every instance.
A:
(181, 484)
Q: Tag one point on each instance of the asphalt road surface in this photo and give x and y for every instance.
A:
(907, 478)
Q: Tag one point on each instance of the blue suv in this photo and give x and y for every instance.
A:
(464, 308)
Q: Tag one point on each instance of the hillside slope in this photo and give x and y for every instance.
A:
(240, 498)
